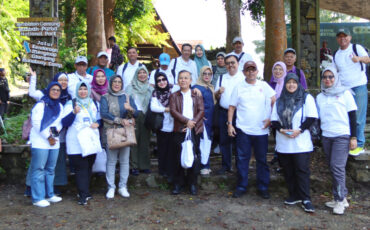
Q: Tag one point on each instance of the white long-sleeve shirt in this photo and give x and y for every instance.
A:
(32, 92)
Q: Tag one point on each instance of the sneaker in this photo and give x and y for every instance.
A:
(238, 193)
(123, 192)
(357, 151)
(82, 201)
(89, 197)
(57, 191)
(307, 206)
(110, 193)
(205, 172)
(339, 208)
(42, 203)
(291, 201)
(54, 199)
(27, 192)
(264, 194)
(331, 204)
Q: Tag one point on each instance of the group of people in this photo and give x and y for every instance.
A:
(196, 100)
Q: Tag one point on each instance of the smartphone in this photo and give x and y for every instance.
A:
(289, 133)
(54, 131)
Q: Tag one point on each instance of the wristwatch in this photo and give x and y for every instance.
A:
(228, 123)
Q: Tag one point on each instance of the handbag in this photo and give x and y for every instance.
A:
(187, 154)
(89, 140)
(205, 147)
(153, 120)
(26, 128)
(100, 164)
(121, 137)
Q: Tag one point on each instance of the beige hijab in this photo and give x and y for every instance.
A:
(202, 82)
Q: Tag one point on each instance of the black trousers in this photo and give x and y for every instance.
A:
(83, 170)
(165, 153)
(297, 174)
(190, 175)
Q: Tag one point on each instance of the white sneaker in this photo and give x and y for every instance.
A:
(42, 203)
(339, 208)
(204, 171)
(110, 193)
(54, 199)
(331, 204)
(123, 192)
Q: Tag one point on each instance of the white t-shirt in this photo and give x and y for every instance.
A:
(73, 79)
(187, 105)
(129, 73)
(302, 143)
(81, 121)
(228, 82)
(253, 106)
(333, 112)
(350, 72)
(187, 65)
(246, 57)
(39, 139)
(168, 73)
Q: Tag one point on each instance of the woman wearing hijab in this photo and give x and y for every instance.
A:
(60, 178)
(337, 112)
(81, 113)
(99, 85)
(115, 111)
(205, 86)
(292, 115)
(200, 58)
(160, 103)
(46, 123)
(141, 91)
(220, 67)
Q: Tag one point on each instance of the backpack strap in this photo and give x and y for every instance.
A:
(74, 103)
(140, 64)
(354, 48)
(173, 69)
(219, 85)
(334, 55)
(123, 70)
(240, 57)
(298, 72)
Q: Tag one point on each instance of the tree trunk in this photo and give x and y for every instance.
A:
(109, 6)
(96, 41)
(233, 22)
(276, 38)
(69, 18)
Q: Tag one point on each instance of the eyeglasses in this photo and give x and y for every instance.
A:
(161, 80)
(207, 74)
(327, 77)
(117, 82)
(230, 63)
(55, 90)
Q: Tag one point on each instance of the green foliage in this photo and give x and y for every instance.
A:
(256, 9)
(127, 11)
(331, 16)
(13, 126)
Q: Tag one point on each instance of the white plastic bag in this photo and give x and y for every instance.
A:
(89, 141)
(100, 165)
(205, 147)
(187, 155)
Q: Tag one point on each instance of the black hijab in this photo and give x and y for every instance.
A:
(162, 94)
(289, 103)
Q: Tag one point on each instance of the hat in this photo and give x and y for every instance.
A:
(289, 50)
(164, 59)
(220, 54)
(238, 39)
(102, 53)
(81, 59)
(343, 31)
(249, 64)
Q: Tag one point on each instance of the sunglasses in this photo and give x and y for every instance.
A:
(117, 82)
(161, 79)
(327, 77)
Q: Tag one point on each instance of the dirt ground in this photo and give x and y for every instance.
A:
(155, 208)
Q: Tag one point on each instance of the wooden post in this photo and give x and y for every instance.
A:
(41, 9)
(306, 38)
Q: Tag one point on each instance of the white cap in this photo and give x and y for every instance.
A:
(102, 53)
(81, 59)
(238, 39)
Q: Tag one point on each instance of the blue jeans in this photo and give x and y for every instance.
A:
(361, 102)
(225, 140)
(43, 163)
(244, 145)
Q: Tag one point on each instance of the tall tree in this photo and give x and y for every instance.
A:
(70, 15)
(276, 38)
(233, 21)
(96, 41)
(109, 6)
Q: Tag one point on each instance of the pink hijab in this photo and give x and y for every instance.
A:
(279, 81)
(100, 89)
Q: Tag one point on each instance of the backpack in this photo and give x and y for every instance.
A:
(354, 48)
(315, 130)
(173, 70)
(125, 67)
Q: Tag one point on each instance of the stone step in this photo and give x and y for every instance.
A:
(364, 156)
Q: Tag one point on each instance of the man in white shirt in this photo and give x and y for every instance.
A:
(253, 100)
(79, 75)
(184, 63)
(164, 61)
(224, 88)
(238, 51)
(127, 70)
(350, 60)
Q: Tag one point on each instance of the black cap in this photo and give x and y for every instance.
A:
(344, 31)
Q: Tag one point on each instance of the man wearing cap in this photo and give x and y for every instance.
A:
(127, 70)
(103, 59)
(164, 62)
(290, 58)
(238, 51)
(350, 60)
(224, 88)
(184, 63)
(79, 75)
(253, 100)
(219, 68)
